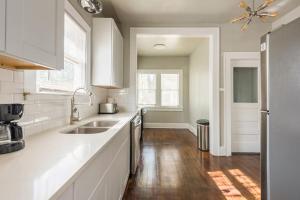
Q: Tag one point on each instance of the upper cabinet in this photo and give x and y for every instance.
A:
(107, 54)
(2, 24)
(34, 33)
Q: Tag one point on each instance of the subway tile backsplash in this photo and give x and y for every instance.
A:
(42, 112)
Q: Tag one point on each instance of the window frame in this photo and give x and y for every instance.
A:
(158, 72)
(30, 77)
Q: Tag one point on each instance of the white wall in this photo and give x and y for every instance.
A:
(42, 111)
(168, 62)
(198, 84)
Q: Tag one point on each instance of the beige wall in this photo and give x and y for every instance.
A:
(198, 83)
(85, 15)
(231, 39)
(168, 62)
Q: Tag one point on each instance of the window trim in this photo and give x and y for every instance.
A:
(158, 73)
(30, 77)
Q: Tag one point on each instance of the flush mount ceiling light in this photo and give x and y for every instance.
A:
(159, 46)
(253, 12)
(91, 6)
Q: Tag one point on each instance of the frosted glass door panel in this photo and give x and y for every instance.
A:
(245, 85)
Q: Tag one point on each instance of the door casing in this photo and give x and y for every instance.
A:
(230, 57)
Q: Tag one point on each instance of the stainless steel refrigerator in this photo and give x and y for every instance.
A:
(280, 113)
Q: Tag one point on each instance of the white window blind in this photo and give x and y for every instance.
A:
(75, 61)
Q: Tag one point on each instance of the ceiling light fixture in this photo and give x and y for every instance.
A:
(91, 6)
(253, 12)
(159, 46)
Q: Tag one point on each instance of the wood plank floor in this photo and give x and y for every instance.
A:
(172, 168)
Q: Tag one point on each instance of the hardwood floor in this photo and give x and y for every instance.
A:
(172, 168)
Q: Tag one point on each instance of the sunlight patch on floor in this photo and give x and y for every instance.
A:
(229, 191)
(246, 182)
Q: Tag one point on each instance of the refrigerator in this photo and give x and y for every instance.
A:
(280, 113)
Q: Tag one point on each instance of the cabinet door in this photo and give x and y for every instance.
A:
(114, 80)
(68, 194)
(120, 60)
(118, 172)
(35, 31)
(100, 192)
(2, 24)
(102, 52)
(117, 79)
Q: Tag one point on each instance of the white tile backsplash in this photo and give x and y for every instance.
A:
(121, 97)
(6, 75)
(43, 111)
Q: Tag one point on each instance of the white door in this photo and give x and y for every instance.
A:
(2, 24)
(35, 31)
(245, 106)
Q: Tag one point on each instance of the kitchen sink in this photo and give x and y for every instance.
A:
(86, 130)
(100, 124)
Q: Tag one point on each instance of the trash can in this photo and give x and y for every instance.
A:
(203, 134)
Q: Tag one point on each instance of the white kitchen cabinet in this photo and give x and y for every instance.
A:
(117, 174)
(106, 175)
(68, 194)
(107, 54)
(100, 191)
(2, 24)
(35, 31)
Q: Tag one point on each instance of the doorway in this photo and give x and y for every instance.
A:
(242, 102)
(214, 47)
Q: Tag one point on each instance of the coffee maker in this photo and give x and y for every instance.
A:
(11, 134)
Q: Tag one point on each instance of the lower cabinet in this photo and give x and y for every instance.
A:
(106, 176)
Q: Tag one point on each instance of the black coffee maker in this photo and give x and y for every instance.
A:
(11, 134)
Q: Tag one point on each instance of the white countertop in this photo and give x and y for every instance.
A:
(51, 161)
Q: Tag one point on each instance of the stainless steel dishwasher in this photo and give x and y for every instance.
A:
(135, 135)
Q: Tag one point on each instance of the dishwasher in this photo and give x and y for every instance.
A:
(135, 143)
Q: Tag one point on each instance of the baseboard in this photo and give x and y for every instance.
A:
(245, 147)
(223, 151)
(192, 129)
(167, 125)
(172, 126)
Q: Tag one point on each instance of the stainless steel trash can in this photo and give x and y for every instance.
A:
(203, 134)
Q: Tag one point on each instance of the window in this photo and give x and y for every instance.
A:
(245, 85)
(147, 89)
(170, 90)
(76, 54)
(160, 89)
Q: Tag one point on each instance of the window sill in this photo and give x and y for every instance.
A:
(163, 109)
(66, 93)
(55, 93)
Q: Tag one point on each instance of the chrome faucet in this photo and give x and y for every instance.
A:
(74, 110)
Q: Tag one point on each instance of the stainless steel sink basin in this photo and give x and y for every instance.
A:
(100, 124)
(86, 130)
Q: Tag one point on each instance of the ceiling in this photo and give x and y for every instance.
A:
(175, 45)
(170, 12)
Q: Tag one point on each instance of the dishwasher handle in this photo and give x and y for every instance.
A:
(137, 121)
